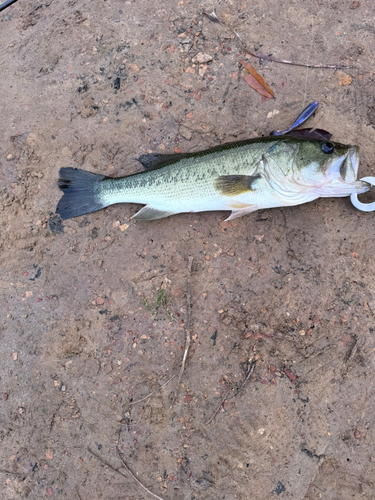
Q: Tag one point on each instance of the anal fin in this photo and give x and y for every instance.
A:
(149, 213)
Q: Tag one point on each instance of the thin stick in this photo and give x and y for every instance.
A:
(121, 474)
(151, 393)
(219, 407)
(11, 472)
(251, 369)
(285, 61)
(354, 350)
(187, 324)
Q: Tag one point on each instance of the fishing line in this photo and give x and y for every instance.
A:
(6, 4)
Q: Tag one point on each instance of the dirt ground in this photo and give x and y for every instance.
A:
(93, 309)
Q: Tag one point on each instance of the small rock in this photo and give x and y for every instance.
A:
(202, 69)
(290, 375)
(354, 5)
(343, 78)
(134, 67)
(225, 224)
(100, 301)
(189, 115)
(66, 152)
(241, 326)
(49, 491)
(357, 434)
(124, 226)
(14, 356)
(9, 157)
(185, 132)
(201, 58)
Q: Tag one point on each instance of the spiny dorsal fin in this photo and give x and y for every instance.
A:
(310, 133)
(232, 185)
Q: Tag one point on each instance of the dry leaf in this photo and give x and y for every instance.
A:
(256, 82)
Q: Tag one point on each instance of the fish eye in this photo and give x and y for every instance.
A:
(327, 147)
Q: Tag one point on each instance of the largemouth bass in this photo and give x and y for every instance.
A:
(242, 177)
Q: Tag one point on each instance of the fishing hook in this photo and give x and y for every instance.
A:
(364, 207)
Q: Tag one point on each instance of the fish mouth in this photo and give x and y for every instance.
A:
(349, 165)
(354, 158)
(349, 172)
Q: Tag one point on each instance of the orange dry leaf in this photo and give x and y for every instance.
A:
(256, 82)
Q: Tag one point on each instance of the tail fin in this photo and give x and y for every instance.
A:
(81, 192)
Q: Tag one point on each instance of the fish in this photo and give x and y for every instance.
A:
(241, 177)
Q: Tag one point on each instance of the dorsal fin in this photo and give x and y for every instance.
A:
(152, 161)
(310, 133)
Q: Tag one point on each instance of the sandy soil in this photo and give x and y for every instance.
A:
(93, 309)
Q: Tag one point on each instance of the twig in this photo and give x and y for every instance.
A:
(353, 351)
(284, 61)
(219, 407)
(187, 325)
(151, 393)
(11, 472)
(251, 369)
(252, 363)
(121, 474)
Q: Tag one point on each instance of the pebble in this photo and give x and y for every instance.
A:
(134, 67)
(202, 69)
(9, 157)
(14, 356)
(100, 301)
(66, 152)
(185, 132)
(343, 78)
(225, 224)
(201, 58)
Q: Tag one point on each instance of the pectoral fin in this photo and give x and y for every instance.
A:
(149, 213)
(232, 185)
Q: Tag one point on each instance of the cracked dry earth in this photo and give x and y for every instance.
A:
(93, 309)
